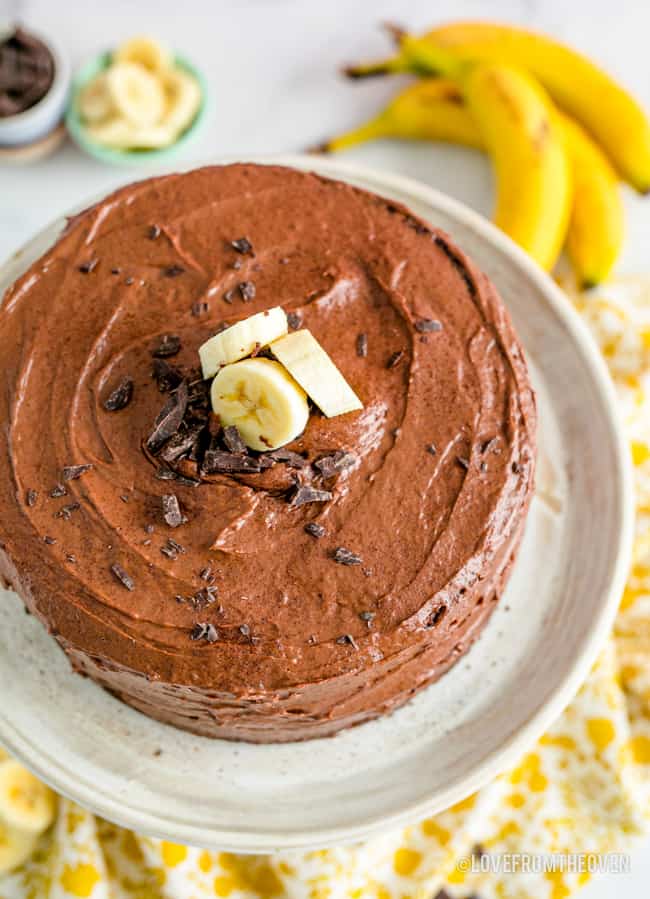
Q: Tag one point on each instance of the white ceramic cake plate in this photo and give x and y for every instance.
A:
(454, 736)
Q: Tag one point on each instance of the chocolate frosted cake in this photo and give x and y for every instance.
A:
(270, 594)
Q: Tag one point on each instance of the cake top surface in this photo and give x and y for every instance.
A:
(250, 589)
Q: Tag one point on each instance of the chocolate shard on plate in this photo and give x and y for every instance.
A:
(168, 345)
(221, 462)
(120, 397)
(346, 557)
(427, 325)
(172, 510)
(125, 579)
(304, 494)
(242, 245)
(72, 472)
(233, 440)
(329, 466)
(169, 419)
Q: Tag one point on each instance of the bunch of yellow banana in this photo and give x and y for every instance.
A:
(560, 133)
(27, 809)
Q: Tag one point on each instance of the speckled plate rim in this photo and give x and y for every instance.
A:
(511, 748)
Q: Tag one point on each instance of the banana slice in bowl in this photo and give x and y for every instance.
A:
(15, 847)
(26, 804)
(146, 51)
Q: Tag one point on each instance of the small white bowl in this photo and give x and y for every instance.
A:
(39, 120)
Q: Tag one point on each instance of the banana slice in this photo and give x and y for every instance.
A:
(241, 339)
(121, 134)
(183, 96)
(147, 52)
(15, 847)
(262, 400)
(306, 360)
(95, 103)
(136, 94)
(25, 802)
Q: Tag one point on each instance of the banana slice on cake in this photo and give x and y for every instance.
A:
(242, 339)
(262, 400)
(145, 51)
(15, 847)
(136, 93)
(307, 362)
(25, 803)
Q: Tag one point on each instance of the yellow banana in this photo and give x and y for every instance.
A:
(427, 110)
(580, 88)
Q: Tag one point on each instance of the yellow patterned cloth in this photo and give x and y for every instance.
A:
(584, 788)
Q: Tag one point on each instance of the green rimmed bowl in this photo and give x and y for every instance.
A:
(80, 136)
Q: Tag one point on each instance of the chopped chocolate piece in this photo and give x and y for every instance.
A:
(167, 376)
(120, 397)
(149, 528)
(347, 639)
(242, 245)
(206, 574)
(31, 497)
(346, 557)
(169, 551)
(168, 345)
(172, 510)
(206, 596)
(125, 579)
(294, 320)
(176, 546)
(237, 264)
(362, 345)
(49, 540)
(200, 308)
(165, 474)
(293, 460)
(315, 529)
(207, 632)
(154, 232)
(303, 495)
(125, 498)
(247, 291)
(463, 462)
(181, 444)
(244, 630)
(71, 558)
(431, 448)
(483, 467)
(169, 419)
(129, 281)
(516, 467)
(116, 271)
(427, 325)
(72, 472)
(87, 267)
(220, 462)
(395, 359)
(57, 491)
(65, 512)
(328, 466)
(173, 271)
(229, 295)
(233, 440)
(186, 482)
(368, 617)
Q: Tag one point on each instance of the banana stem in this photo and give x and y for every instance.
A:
(393, 65)
(369, 131)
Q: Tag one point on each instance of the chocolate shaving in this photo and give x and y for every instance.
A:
(154, 232)
(242, 245)
(199, 308)
(172, 510)
(220, 462)
(206, 596)
(181, 444)
(71, 558)
(178, 547)
(57, 491)
(244, 630)
(427, 325)
(294, 320)
(346, 557)
(368, 617)
(49, 540)
(72, 472)
(303, 495)
(329, 466)
(206, 574)
(291, 459)
(173, 271)
(168, 345)
(315, 530)
(169, 419)
(233, 440)
(65, 512)
(165, 474)
(167, 376)
(31, 497)
(347, 639)
(87, 267)
(120, 397)
(207, 632)
(395, 359)
(125, 579)
(247, 291)
(362, 345)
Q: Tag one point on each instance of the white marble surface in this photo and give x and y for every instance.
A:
(273, 67)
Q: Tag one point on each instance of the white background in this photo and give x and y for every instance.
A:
(273, 70)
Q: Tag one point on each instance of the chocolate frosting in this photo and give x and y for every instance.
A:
(290, 642)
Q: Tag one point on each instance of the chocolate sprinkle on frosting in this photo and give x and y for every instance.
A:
(247, 291)
(207, 632)
(347, 639)
(125, 579)
(173, 271)
(329, 466)
(120, 397)
(154, 232)
(432, 449)
(395, 359)
(242, 245)
(294, 320)
(362, 345)
(315, 530)
(172, 510)
(72, 472)
(31, 498)
(167, 376)
(289, 457)
(346, 557)
(57, 491)
(219, 462)
(65, 512)
(49, 540)
(168, 345)
(303, 495)
(169, 419)
(427, 325)
(87, 267)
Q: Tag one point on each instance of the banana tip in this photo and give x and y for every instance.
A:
(318, 149)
